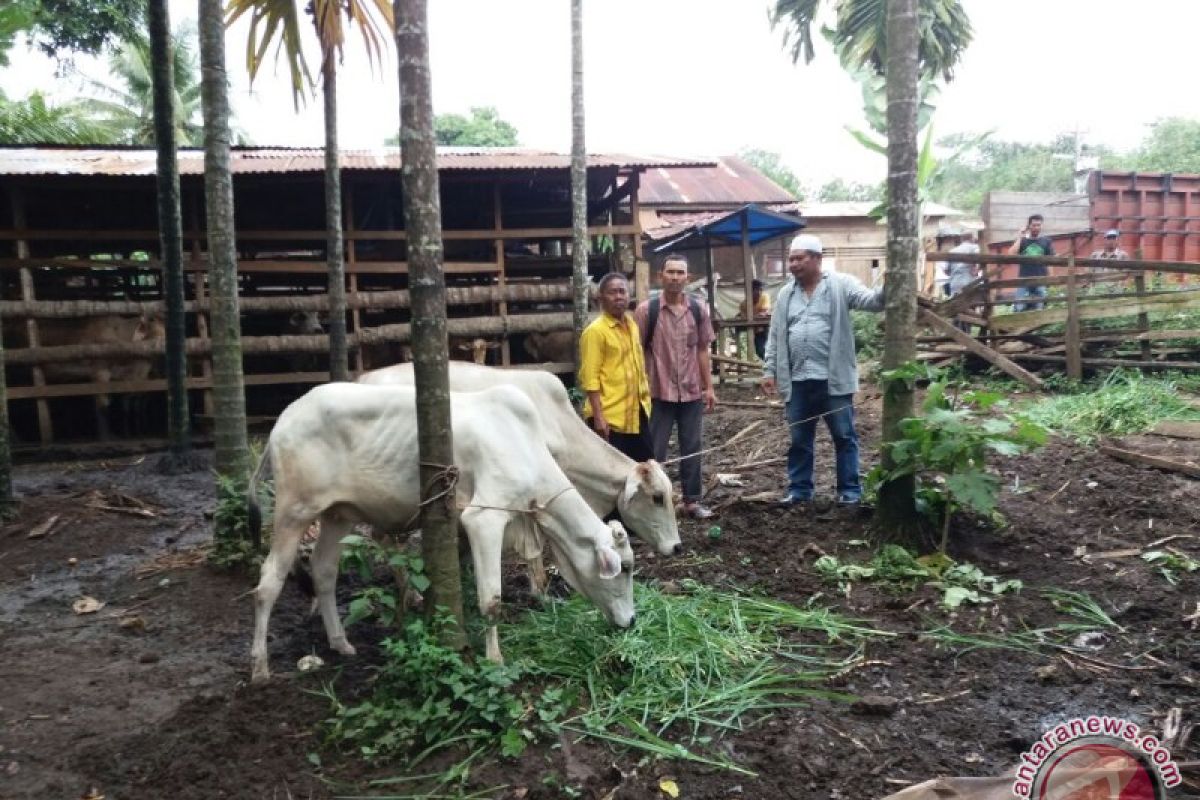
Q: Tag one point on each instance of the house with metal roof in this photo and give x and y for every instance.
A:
(79, 236)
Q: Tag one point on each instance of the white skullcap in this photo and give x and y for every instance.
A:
(806, 241)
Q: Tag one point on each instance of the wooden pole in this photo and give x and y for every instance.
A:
(501, 279)
(1074, 354)
(748, 277)
(45, 426)
(199, 291)
(1143, 319)
(351, 260)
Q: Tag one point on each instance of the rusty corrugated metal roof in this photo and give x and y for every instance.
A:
(249, 160)
(730, 183)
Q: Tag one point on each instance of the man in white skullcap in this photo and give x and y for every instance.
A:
(810, 361)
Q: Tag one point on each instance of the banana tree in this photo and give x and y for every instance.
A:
(278, 22)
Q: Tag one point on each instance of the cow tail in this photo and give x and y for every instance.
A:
(253, 509)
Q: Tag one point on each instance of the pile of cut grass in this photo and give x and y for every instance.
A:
(1125, 402)
(697, 663)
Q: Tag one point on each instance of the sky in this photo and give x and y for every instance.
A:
(703, 78)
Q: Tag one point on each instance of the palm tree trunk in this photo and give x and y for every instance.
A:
(231, 452)
(896, 517)
(170, 230)
(579, 250)
(339, 361)
(427, 284)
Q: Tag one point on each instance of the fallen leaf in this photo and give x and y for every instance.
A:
(669, 787)
(135, 623)
(44, 527)
(309, 663)
(87, 605)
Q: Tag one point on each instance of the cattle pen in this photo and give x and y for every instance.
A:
(81, 233)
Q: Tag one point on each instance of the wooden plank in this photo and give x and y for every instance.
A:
(1073, 349)
(1177, 430)
(1029, 320)
(155, 385)
(243, 236)
(1109, 362)
(1133, 264)
(927, 317)
(542, 291)
(1145, 460)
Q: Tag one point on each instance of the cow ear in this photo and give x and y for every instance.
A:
(644, 472)
(608, 561)
(631, 488)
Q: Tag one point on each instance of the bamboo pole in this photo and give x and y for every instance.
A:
(1074, 367)
(545, 291)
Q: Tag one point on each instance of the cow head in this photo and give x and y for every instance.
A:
(647, 507)
(603, 572)
(150, 327)
(477, 348)
(301, 323)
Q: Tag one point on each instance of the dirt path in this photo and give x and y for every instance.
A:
(157, 707)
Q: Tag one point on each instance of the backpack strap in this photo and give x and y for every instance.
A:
(651, 320)
(652, 316)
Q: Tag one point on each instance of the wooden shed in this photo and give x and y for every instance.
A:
(79, 241)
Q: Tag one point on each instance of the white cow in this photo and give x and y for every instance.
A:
(346, 453)
(607, 478)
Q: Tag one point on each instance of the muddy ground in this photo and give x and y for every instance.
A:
(146, 697)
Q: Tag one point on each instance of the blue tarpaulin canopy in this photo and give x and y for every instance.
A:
(760, 225)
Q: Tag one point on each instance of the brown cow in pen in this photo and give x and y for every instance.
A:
(107, 329)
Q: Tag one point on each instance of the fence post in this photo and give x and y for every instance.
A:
(1074, 356)
(1143, 319)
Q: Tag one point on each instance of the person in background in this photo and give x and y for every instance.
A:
(762, 310)
(960, 273)
(676, 334)
(810, 362)
(612, 373)
(1031, 242)
(1111, 250)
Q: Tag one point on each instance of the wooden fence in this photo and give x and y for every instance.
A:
(1070, 329)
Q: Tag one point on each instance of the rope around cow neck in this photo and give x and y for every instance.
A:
(449, 474)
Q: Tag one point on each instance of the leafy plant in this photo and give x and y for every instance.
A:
(947, 448)
(427, 697)
(363, 555)
(232, 548)
(896, 567)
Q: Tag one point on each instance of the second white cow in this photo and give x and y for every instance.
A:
(346, 453)
(608, 479)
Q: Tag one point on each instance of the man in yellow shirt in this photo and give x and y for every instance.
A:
(612, 372)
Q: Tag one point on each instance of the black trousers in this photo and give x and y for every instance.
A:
(634, 445)
(689, 419)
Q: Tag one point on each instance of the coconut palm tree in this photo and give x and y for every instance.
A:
(860, 34)
(279, 20)
(34, 120)
(170, 230)
(579, 249)
(126, 103)
(231, 452)
(423, 226)
(909, 42)
(896, 515)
